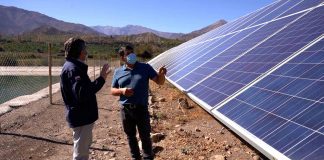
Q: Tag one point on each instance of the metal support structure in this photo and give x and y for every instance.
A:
(50, 72)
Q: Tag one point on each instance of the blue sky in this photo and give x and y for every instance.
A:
(163, 15)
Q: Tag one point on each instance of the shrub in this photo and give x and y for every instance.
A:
(8, 62)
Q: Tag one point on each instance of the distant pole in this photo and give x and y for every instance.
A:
(50, 72)
(99, 62)
(94, 68)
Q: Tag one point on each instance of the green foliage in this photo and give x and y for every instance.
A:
(33, 49)
(21, 59)
(8, 62)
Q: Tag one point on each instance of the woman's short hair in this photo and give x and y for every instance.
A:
(73, 47)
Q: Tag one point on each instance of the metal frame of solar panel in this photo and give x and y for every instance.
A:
(261, 75)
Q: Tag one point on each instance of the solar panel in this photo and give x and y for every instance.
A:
(262, 75)
(285, 109)
(255, 62)
(233, 52)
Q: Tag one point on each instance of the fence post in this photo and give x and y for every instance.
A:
(94, 68)
(50, 72)
(99, 62)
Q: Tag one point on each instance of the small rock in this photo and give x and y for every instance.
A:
(197, 130)
(229, 152)
(178, 125)
(256, 157)
(161, 99)
(201, 157)
(183, 103)
(105, 153)
(112, 154)
(209, 141)
(181, 129)
(185, 151)
(150, 100)
(236, 149)
(156, 137)
(227, 147)
(157, 149)
(112, 159)
(113, 143)
(218, 157)
(103, 146)
(46, 150)
(154, 107)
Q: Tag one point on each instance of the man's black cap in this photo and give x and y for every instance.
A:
(129, 47)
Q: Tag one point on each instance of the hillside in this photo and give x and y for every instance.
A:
(49, 30)
(16, 21)
(133, 30)
(143, 37)
(136, 30)
(199, 32)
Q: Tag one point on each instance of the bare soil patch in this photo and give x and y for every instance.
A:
(39, 131)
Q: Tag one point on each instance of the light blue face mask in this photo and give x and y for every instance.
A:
(131, 58)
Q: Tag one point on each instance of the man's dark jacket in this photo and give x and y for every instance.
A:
(79, 93)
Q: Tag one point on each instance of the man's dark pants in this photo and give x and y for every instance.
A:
(137, 116)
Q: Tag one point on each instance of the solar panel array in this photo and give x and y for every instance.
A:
(262, 75)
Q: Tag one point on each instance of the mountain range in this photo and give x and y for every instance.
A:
(134, 29)
(16, 21)
(199, 32)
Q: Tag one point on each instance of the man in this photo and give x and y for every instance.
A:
(131, 83)
(79, 95)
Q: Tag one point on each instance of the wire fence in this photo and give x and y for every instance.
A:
(26, 77)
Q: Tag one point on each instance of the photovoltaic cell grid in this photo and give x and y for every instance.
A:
(286, 108)
(283, 8)
(256, 62)
(261, 75)
(232, 52)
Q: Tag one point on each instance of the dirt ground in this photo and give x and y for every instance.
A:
(39, 131)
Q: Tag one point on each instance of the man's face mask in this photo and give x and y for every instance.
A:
(131, 58)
